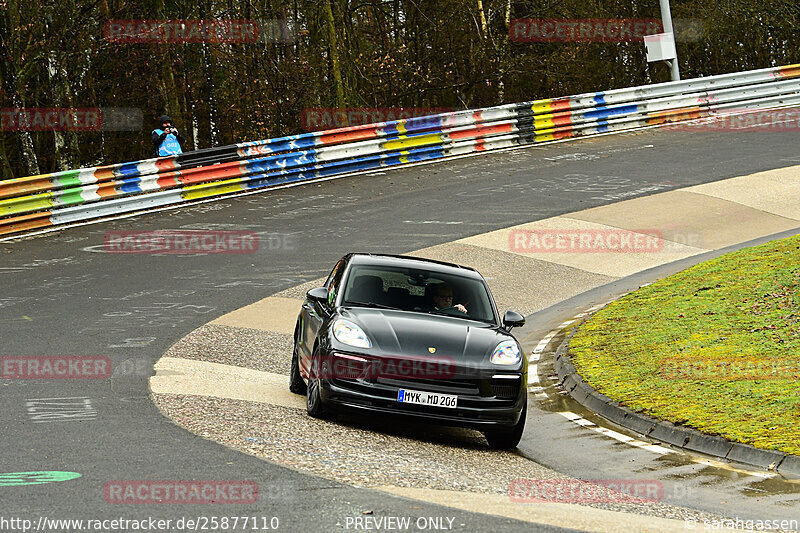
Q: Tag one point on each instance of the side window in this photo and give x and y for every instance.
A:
(334, 281)
(333, 273)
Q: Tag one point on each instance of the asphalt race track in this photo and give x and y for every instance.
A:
(62, 295)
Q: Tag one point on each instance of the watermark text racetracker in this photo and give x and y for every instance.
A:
(181, 242)
(74, 119)
(55, 367)
(585, 491)
(198, 31)
(194, 523)
(585, 241)
(180, 492)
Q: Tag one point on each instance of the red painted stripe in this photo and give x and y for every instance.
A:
(168, 180)
(165, 164)
(211, 173)
(481, 131)
(562, 104)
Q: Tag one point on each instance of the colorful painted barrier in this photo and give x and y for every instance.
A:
(67, 197)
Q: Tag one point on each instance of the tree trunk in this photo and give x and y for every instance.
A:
(333, 53)
(8, 73)
(6, 172)
(208, 69)
(482, 17)
(63, 159)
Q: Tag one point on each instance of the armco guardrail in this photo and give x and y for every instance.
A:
(76, 195)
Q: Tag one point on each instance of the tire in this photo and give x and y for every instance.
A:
(314, 405)
(507, 439)
(296, 383)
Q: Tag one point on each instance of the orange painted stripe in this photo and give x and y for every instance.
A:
(25, 222)
(348, 136)
(104, 173)
(25, 186)
(789, 71)
(562, 119)
(107, 189)
(481, 131)
(684, 113)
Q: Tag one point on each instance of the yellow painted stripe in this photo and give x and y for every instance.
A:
(26, 204)
(401, 126)
(540, 137)
(410, 142)
(204, 190)
(543, 122)
(542, 106)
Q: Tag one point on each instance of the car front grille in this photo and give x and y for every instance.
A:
(471, 387)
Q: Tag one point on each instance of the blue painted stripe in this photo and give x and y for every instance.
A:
(129, 185)
(127, 169)
(604, 112)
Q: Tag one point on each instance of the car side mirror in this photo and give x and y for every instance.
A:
(512, 319)
(318, 295)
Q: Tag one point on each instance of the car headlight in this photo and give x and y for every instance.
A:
(506, 353)
(349, 333)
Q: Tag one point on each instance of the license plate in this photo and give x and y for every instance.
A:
(427, 398)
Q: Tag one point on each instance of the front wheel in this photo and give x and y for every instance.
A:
(296, 383)
(314, 404)
(507, 439)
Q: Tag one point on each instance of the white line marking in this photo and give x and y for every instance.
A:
(655, 448)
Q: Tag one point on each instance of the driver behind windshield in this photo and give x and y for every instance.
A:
(440, 296)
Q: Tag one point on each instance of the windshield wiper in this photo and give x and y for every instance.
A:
(373, 305)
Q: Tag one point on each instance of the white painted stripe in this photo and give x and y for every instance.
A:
(89, 193)
(613, 434)
(533, 374)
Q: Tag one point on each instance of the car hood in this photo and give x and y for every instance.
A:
(397, 333)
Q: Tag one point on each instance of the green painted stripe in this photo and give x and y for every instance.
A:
(70, 197)
(68, 179)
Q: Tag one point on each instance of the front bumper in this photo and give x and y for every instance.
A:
(485, 402)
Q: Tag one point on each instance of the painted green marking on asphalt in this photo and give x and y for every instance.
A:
(11, 479)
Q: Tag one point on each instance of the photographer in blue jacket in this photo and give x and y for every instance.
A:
(166, 139)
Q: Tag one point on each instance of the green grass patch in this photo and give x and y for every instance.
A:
(715, 347)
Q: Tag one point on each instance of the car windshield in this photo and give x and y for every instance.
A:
(418, 290)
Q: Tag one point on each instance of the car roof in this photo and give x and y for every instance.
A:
(414, 262)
